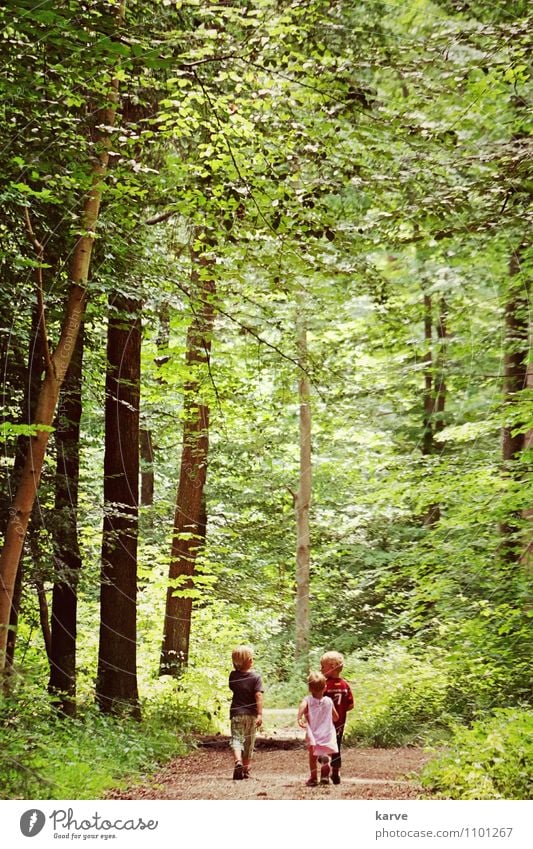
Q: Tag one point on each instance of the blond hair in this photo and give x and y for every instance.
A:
(242, 657)
(334, 659)
(317, 683)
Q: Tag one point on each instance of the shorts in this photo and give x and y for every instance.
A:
(243, 730)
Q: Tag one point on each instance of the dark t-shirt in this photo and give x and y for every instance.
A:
(244, 686)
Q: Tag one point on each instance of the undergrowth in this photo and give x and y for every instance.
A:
(44, 756)
(490, 760)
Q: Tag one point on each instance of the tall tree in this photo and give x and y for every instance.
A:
(515, 364)
(189, 519)
(62, 682)
(116, 686)
(57, 362)
(303, 495)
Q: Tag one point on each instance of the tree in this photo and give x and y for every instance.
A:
(189, 520)
(303, 495)
(57, 362)
(62, 682)
(116, 686)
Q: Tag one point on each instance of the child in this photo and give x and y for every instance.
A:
(316, 714)
(246, 710)
(339, 692)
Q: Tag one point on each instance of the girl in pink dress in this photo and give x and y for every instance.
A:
(316, 714)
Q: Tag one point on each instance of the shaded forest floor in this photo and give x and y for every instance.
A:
(280, 771)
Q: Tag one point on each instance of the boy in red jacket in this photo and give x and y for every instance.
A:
(338, 690)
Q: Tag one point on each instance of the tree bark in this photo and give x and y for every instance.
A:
(44, 617)
(31, 390)
(427, 437)
(189, 515)
(21, 507)
(434, 388)
(516, 343)
(303, 496)
(147, 468)
(62, 681)
(116, 686)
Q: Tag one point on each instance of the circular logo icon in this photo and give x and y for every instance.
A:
(32, 822)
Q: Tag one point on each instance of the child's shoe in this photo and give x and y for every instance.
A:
(246, 772)
(335, 777)
(238, 772)
(325, 773)
(311, 782)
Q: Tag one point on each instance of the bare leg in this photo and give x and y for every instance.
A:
(238, 772)
(312, 767)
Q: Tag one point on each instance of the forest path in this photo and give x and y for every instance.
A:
(280, 770)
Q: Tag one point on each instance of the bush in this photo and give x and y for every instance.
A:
(400, 698)
(491, 760)
(48, 757)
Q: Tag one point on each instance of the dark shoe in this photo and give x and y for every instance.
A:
(246, 773)
(238, 772)
(311, 782)
(335, 777)
(324, 780)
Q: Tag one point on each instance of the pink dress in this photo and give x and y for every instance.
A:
(320, 734)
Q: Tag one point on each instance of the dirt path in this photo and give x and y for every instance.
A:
(280, 772)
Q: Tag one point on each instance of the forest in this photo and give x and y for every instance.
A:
(265, 302)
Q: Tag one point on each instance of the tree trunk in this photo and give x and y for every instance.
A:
(57, 365)
(147, 468)
(62, 682)
(516, 338)
(116, 687)
(189, 518)
(434, 388)
(514, 360)
(427, 438)
(44, 617)
(33, 377)
(440, 377)
(527, 554)
(303, 497)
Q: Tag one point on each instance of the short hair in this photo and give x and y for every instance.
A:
(317, 682)
(242, 656)
(335, 658)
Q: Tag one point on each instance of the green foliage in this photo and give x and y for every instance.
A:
(400, 698)
(47, 757)
(361, 159)
(491, 760)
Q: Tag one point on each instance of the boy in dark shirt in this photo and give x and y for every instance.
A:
(339, 691)
(246, 710)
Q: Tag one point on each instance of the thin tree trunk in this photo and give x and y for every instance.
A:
(527, 554)
(44, 617)
(514, 361)
(427, 438)
(34, 370)
(434, 388)
(514, 382)
(147, 468)
(440, 378)
(303, 496)
(189, 518)
(62, 681)
(13, 621)
(116, 687)
(56, 367)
